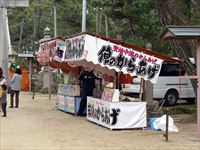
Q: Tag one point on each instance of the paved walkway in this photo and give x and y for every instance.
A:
(37, 125)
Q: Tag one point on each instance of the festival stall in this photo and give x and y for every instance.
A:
(111, 57)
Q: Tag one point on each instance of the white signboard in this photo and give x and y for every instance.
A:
(120, 58)
(121, 115)
(60, 51)
(14, 3)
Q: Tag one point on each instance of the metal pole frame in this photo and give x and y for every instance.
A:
(198, 87)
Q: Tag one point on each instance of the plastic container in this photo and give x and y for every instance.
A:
(151, 120)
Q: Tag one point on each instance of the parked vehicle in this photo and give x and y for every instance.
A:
(169, 86)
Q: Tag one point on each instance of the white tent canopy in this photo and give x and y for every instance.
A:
(105, 55)
(102, 55)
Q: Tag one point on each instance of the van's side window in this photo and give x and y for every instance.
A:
(171, 70)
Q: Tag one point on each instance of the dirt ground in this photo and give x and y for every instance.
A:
(37, 125)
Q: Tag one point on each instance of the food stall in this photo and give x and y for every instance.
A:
(111, 57)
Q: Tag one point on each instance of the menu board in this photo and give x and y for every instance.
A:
(68, 90)
(111, 95)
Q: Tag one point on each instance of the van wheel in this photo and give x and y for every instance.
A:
(171, 98)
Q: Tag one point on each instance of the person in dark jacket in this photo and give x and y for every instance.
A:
(87, 78)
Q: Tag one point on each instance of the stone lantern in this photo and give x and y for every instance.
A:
(46, 69)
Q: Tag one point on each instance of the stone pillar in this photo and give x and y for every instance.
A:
(46, 79)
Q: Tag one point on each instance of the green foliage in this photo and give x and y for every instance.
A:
(136, 20)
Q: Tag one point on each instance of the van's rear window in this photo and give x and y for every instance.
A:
(171, 70)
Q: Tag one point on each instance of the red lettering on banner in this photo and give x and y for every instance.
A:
(85, 53)
(127, 51)
(149, 59)
(145, 59)
(132, 53)
(136, 55)
(141, 56)
(121, 50)
(115, 48)
(154, 61)
(47, 46)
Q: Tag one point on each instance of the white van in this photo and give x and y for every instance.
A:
(169, 86)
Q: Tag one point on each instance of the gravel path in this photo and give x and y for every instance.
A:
(37, 125)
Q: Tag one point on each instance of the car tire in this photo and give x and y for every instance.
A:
(171, 98)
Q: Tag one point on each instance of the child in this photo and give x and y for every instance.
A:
(4, 99)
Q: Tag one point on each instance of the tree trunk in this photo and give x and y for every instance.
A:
(20, 36)
(170, 14)
(36, 24)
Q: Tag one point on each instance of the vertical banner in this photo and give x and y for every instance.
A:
(75, 47)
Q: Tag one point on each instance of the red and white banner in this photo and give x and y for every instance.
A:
(51, 50)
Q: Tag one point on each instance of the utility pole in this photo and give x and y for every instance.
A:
(106, 24)
(97, 19)
(20, 36)
(84, 12)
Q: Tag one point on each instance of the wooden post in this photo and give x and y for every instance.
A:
(148, 86)
(167, 125)
(49, 89)
(30, 74)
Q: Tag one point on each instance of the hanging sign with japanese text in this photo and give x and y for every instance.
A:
(129, 61)
(74, 47)
(51, 50)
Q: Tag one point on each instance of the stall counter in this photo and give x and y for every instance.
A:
(117, 115)
(68, 104)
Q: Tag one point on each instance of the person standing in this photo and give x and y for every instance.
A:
(88, 84)
(3, 97)
(15, 85)
(2, 81)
